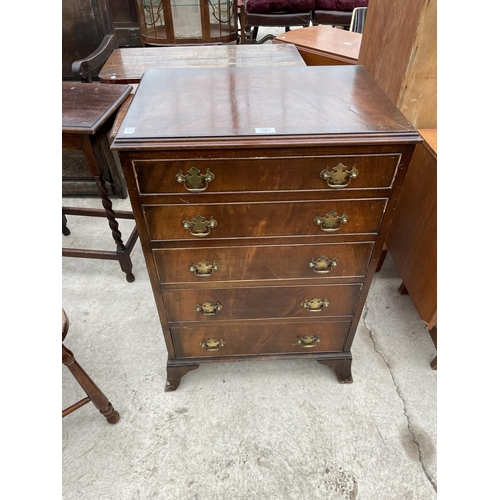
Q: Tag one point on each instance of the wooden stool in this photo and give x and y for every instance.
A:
(88, 113)
(93, 392)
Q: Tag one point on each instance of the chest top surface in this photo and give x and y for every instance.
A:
(175, 106)
(85, 106)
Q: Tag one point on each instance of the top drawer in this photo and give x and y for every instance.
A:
(266, 174)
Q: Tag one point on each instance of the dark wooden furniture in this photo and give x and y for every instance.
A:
(76, 179)
(88, 39)
(323, 45)
(126, 66)
(262, 198)
(88, 113)
(94, 394)
(412, 239)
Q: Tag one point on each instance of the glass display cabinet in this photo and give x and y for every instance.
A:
(172, 22)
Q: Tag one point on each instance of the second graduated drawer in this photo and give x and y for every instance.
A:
(209, 264)
(264, 219)
(266, 174)
(312, 302)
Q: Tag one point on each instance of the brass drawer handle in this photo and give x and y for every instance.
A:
(315, 305)
(203, 268)
(307, 341)
(199, 226)
(331, 221)
(212, 344)
(208, 308)
(194, 181)
(338, 175)
(323, 264)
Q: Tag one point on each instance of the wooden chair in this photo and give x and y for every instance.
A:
(82, 69)
(94, 394)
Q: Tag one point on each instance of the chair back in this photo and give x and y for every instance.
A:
(358, 19)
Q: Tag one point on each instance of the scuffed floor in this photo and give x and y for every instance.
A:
(280, 430)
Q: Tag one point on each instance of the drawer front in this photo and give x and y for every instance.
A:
(245, 339)
(265, 219)
(202, 265)
(266, 174)
(261, 302)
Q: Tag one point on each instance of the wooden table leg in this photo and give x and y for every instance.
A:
(95, 161)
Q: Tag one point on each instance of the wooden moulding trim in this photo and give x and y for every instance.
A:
(260, 357)
(264, 142)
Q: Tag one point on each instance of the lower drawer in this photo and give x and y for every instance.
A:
(198, 341)
(261, 302)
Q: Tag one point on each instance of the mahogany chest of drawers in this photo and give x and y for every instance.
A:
(262, 197)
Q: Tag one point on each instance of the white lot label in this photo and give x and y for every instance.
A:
(269, 130)
(129, 130)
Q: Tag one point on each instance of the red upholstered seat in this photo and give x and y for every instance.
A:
(343, 5)
(271, 6)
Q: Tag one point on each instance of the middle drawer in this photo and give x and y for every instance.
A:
(209, 264)
(312, 301)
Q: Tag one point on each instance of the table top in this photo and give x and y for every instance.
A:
(127, 65)
(86, 106)
(217, 105)
(324, 40)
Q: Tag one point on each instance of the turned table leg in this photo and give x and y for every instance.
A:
(95, 394)
(341, 368)
(175, 374)
(94, 159)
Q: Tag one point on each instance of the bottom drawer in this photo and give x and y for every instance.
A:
(257, 338)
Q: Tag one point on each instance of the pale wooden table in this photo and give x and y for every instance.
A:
(323, 45)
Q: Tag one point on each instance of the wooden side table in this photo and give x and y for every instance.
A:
(88, 113)
(323, 45)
